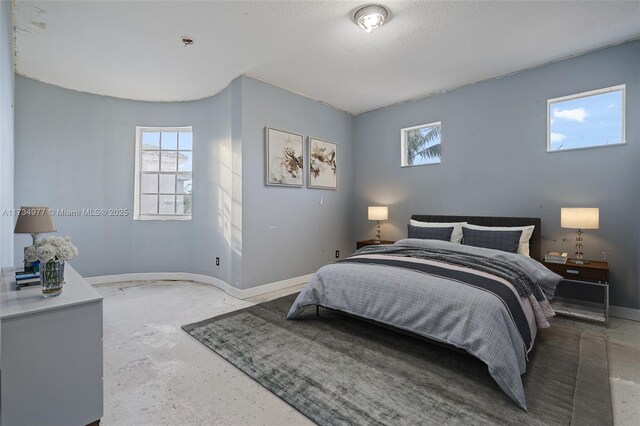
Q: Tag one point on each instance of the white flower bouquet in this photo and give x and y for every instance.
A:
(51, 248)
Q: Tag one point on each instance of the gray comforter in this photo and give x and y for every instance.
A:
(454, 311)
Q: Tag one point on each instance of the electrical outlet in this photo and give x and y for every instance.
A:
(217, 261)
(337, 254)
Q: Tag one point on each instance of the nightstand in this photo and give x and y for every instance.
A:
(592, 278)
(365, 243)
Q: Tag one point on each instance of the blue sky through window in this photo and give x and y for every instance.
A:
(586, 122)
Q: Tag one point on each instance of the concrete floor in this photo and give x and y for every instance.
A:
(156, 374)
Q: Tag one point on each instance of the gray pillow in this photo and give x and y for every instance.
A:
(498, 240)
(423, 233)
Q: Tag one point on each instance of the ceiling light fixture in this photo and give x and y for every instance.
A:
(370, 17)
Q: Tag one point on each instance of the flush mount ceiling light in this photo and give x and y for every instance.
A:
(370, 17)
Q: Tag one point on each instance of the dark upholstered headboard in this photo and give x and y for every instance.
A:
(535, 248)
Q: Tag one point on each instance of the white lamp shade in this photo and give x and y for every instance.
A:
(580, 218)
(34, 220)
(378, 213)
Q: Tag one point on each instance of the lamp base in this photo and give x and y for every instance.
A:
(378, 233)
(578, 260)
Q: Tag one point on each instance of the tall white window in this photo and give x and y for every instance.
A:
(164, 166)
(586, 120)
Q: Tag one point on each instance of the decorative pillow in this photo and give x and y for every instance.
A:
(426, 233)
(498, 240)
(456, 235)
(527, 232)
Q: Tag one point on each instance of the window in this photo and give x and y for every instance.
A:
(421, 145)
(586, 120)
(163, 183)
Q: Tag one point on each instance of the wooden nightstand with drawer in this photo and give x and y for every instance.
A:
(364, 243)
(592, 277)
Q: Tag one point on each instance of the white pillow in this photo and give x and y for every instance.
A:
(456, 235)
(527, 232)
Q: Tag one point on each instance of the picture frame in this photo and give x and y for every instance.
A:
(322, 158)
(284, 158)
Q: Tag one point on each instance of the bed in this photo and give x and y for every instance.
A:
(487, 302)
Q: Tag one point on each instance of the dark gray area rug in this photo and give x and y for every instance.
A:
(339, 370)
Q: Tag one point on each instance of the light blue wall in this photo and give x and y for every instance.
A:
(289, 232)
(6, 132)
(76, 151)
(7, 95)
(494, 161)
(232, 198)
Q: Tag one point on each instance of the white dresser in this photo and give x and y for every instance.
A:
(50, 354)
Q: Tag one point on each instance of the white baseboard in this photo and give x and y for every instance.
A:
(205, 279)
(143, 276)
(624, 313)
(278, 285)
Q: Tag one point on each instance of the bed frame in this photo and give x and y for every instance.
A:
(535, 246)
(535, 249)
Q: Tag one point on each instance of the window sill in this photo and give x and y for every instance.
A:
(162, 217)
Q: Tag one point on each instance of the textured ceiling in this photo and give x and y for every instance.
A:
(132, 49)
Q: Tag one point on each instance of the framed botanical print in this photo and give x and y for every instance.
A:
(284, 158)
(323, 164)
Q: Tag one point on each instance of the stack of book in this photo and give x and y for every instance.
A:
(556, 257)
(27, 278)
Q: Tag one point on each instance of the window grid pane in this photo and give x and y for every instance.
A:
(150, 160)
(167, 184)
(168, 161)
(149, 204)
(169, 141)
(185, 160)
(167, 204)
(148, 183)
(185, 140)
(150, 140)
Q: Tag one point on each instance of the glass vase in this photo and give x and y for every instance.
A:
(52, 277)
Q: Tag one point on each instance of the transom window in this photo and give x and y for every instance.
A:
(421, 145)
(164, 166)
(586, 120)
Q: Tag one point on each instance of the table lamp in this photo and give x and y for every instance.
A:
(579, 219)
(378, 213)
(34, 221)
